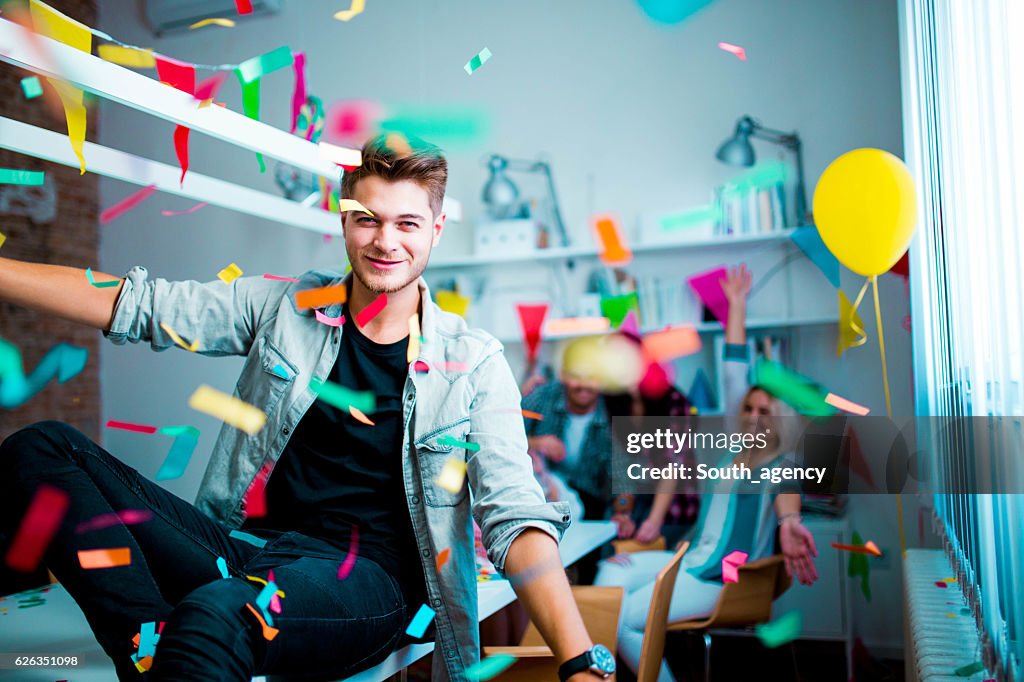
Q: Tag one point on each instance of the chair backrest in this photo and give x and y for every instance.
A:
(653, 649)
(630, 545)
(599, 607)
(748, 601)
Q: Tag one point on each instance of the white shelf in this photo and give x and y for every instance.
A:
(589, 251)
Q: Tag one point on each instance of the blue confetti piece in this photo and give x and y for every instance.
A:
(280, 371)
(489, 667)
(420, 622)
(185, 440)
(222, 566)
(147, 639)
(263, 601)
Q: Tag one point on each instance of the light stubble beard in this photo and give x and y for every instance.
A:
(387, 286)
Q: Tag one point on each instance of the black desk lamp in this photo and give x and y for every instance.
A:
(737, 151)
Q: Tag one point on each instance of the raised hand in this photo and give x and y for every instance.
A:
(736, 285)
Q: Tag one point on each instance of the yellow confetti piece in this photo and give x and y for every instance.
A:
(358, 415)
(3, 238)
(343, 156)
(452, 302)
(126, 56)
(846, 405)
(230, 273)
(352, 205)
(354, 10)
(144, 664)
(231, 410)
(257, 579)
(452, 475)
(414, 338)
(217, 21)
(177, 339)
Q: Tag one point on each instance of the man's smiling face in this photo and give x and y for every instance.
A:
(389, 250)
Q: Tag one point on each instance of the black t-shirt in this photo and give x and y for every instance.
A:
(337, 472)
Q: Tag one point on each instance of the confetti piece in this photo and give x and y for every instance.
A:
(13, 176)
(41, 521)
(352, 205)
(125, 516)
(413, 351)
(616, 308)
(939, 583)
(420, 622)
(275, 598)
(461, 125)
(533, 415)
(859, 566)
(3, 238)
(207, 90)
(846, 405)
(320, 297)
(230, 274)
(575, 326)
(127, 56)
(31, 87)
(343, 156)
(263, 600)
(792, 388)
(454, 442)
(343, 398)
(613, 250)
(279, 278)
(359, 416)
(489, 667)
(62, 361)
(269, 633)
(231, 410)
(731, 563)
(451, 302)
(222, 566)
(243, 6)
(255, 68)
(354, 10)
(851, 326)
(144, 664)
(531, 319)
(104, 558)
(100, 285)
(969, 669)
(420, 367)
(216, 21)
(329, 321)
(452, 475)
(442, 557)
(185, 440)
(734, 49)
(784, 629)
(708, 287)
(949, 580)
(128, 203)
(193, 347)
(350, 559)
(691, 218)
(129, 426)
(280, 371)
(147, 639)
(187, 211)
(867, 548)
(671, 343)
(371, 311)
(476, 62)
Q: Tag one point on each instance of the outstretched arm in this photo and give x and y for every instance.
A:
(797, 542)
(59, 291)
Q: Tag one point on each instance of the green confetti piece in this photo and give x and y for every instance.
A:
(476, 62)
(687, 219)
(447, 124)
(456, 443)
(859, 566)
(63, 361)
(489, 667)
(343, 398)
(615, 308)
(784, 629)
(13, 176)
(254, 68)
(792, 388)
(100, 285)
(251, 106)
(969, 669)
(31, 87)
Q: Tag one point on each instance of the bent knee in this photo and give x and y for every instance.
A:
(41, 437)
(225, 599)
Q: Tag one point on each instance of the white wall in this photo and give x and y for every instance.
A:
(628, 112)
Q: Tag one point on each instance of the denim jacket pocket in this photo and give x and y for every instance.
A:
(266, 375)
(433, 451)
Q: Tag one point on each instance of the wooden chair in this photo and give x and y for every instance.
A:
(629, 545)
(742, 604)
(599, 607)
(653, 649)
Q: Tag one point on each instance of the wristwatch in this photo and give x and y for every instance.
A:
(597, 659)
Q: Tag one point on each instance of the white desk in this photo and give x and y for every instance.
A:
(58, 628)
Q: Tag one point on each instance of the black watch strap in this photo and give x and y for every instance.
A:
(575, 665)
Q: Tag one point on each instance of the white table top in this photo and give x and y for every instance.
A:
(58, 628)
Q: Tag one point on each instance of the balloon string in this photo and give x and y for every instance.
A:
(862, 336)
(888, 403)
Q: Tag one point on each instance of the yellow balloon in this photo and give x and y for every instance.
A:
(865, 207)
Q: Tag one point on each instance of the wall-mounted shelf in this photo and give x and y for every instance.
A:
(544, 255)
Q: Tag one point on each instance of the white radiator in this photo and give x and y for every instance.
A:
(936, 644)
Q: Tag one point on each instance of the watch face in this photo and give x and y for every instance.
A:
(602, 660)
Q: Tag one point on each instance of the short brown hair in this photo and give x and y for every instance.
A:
(394, 157)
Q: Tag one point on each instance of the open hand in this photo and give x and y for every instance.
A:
(736, 285)
(799, 550)
(550, 446)
(626, 525)
(649, 531)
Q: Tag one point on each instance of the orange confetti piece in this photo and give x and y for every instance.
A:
(868, 547)
(529, 414)
(846, 405)
(442, 557)
(359, 416)
(144, 664)
(613, 249)
(671, 343)
(569, 326)
(269, 633)
(317, 298)
(104, 558)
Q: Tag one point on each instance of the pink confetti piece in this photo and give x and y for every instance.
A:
(279, 278)
(126, 204)
(299, 93)
(734, 49)
(454, 366)
(128, 426)
(125, 516)
(275, 601)
(708, 286)
(329, 321)
(353, 552)
(187, 211)
(846, 405)
(38, 526)
(371, 311)
(730, 566)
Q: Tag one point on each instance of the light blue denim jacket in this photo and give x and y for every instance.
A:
(257, 318)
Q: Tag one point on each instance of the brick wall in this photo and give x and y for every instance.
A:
(70, 239)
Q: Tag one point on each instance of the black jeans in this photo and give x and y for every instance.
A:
(328, 628)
